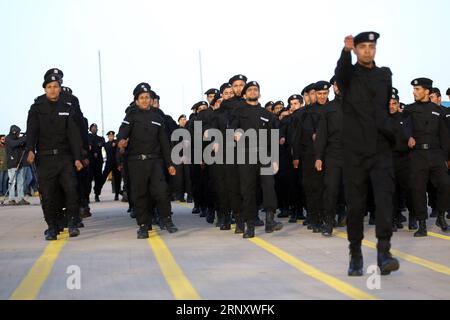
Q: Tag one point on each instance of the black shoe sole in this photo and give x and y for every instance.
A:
(355, 273)
(391, 267)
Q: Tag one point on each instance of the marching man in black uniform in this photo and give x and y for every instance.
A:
(144, 134)
(54, 135)
(429, 143)
(367, 135)
(112, 165)
(252, 116)
(96, 145)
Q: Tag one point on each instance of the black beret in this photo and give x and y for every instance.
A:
(237, 77)
(51, 78)
(295, 97)
(92, 125)
(182, 116)
(54, 71)
(278, 103)
(333, 80)
(395, 97)
(224, 86)
(212, 91)
(216, 97)
(402, 105)
(321, 85)
(436, 91)
(66, 90)
(394, 90)
(249, 85)
(269, 104)
(110, 133)
(366, 37)
(448, 92)
(199, 104)
(141, 88)
(423, 82)
(308, 88)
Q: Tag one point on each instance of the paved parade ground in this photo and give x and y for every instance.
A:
(201, 262)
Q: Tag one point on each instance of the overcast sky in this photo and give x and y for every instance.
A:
(282, 44)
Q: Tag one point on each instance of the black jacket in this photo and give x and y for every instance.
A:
(51, 126)
(307, 127)
(328, 144)
(96, 144)
(15, 147)
(147, 134)
(367, 128)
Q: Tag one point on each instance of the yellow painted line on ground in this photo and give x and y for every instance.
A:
(179, 284)
(31, 285)
(438, 235)
(405, 256)
(312, 272)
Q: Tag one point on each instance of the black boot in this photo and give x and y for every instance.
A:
(271, 224)
(441, 222)
(412, 223)
(284, 213)
(342, 221)
(327, 229)
(73, 231)
(356, 264)
(250, 231)
(97, 198)
(204, 212)
(226, 223)
(422, 232)
(386, 262)
(169, 225)
(132, 214)
(142, 233)
(293, 218)
(371, 218)
(300, 214)
(210, 215)
(258, 222)
(51, 233)
(116, 197)
(189, 198)
(196, 210)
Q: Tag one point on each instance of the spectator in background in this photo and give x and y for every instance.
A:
(15, 148)
(3, 166)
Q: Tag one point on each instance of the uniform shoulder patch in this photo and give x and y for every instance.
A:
(156, 123)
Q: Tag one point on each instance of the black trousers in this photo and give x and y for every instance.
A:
(402, 183)
(95, 174)
(199, 185)
(57, 179)
(250, 176)
(333, 182)
(183, 182)
(357, 174)
(148, 184)
(83, 187)
(313, 185)
(429, 165)
(117, 176)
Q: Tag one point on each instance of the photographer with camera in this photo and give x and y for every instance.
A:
(15, 149)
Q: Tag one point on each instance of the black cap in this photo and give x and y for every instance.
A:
(141, 88)
(402, 105)
(436, 91)
(394, 90)
(423, 82)
(67, 90)
(237, 77)
(370, 36)
(278, 103)
(269, 104)
(448, 92)
(199, 104)
(182, 116)
(212, 91)
(308, 88)
(51, 78)
(395, 97)
(54, 71)
(295, 97)
(321, 85)
(224, 86)
(110, 133)
(216, 97)
(249, 85)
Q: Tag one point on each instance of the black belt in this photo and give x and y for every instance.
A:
(145, 157)
(426, 146)
(53, 152)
